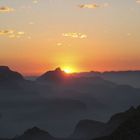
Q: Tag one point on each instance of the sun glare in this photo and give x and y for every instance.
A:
(68, 70)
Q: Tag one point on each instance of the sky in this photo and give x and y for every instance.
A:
(81, 35)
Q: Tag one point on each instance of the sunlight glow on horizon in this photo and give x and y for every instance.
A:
(68, 69)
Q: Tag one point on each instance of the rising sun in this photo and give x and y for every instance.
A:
(68, 70)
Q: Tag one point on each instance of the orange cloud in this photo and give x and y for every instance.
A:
(93, 6)
(6, 9)
(6, 32)
(75, 35)
(90, 6)
(12, 33)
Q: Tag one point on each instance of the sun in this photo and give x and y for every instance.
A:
(68, 70)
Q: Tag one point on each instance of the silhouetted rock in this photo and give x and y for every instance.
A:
(87, 129)
(116, 120)
(9, 79)
(53, 76)
(34, 131)
(8, 75)
(121, 117)
(129, 129)
(35, 134)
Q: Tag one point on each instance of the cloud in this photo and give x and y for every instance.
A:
(75, 35)
(6, 32)
(6, 9)
(93, 6)
(12, 33)
(90, 6)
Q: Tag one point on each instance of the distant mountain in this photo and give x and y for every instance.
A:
(9, 79)
(53, 76)
(89, 82)
(129, 129)
(124, 77)
(120, 77)
(35, 134)
(8, 75)
(87, 129)
(72, 81)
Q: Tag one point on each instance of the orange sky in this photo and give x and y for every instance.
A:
(78, 35)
